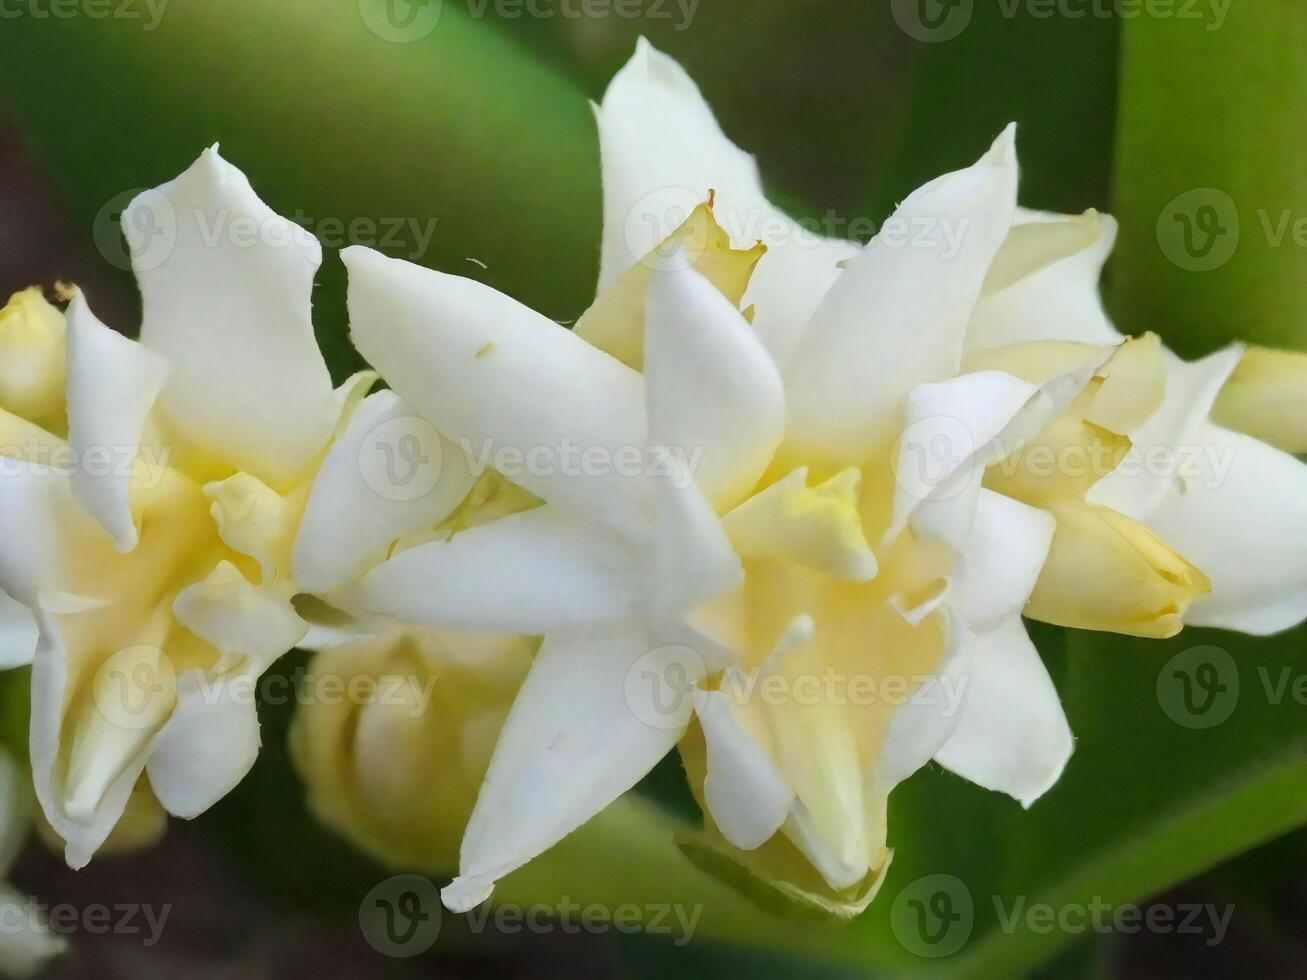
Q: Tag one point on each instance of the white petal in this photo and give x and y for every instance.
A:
(713, 390)
(112, 386)
(531, 572)
(1167, 441)
(83, 834)
(207, 746)
(1058, 297)
(572, 744)
(1012, 735)
(745, 792)
(931, 714)
(501, 380)
(389, 473)
(1002, 561)
(663, 151)
(1241, 518)
(18, 633)
(37, 513)
(897, 317)
(240, 619)
(694, 559)
(954, 429)
(226, 285)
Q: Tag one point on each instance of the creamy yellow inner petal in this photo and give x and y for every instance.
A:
(615, 323)
(1266, 398)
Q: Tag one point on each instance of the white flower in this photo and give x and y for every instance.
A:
(787, 534)
(149, 494)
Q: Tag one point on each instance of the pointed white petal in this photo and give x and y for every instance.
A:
(1012, 735)
(113, 383)
(714, 392)
(82, 833)
(550, 412)
(1167, 441)
(207, 746)
(1241, 517)
(239, 619)
(531, 572)
(663, 151)
(18, 633)
(694, 561)
(572, 744)
(226, 285)
(745, 792)
(1002, 560)
(389, 473)
(954, 429)
(931, 714)
(1055, 262)
(897, 317)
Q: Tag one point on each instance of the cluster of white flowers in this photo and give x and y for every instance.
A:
(857, 506)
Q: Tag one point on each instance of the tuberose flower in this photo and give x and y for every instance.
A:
(149, 495)
(831, 471)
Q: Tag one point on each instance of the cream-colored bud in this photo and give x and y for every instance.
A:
(395, 763)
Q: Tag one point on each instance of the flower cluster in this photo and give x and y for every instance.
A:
(839, 467)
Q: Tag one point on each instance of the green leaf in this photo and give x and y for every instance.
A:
(1209, 146)
(458, 133)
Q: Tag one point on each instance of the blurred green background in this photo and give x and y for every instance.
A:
(480, 129)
